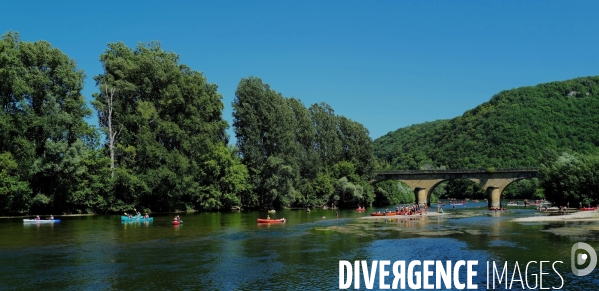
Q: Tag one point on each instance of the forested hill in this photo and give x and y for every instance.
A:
(512, 129)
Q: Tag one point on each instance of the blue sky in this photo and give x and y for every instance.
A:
(385, 64)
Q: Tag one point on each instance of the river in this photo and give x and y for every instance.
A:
(230, 251)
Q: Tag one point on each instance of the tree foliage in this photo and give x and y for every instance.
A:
(570, 178)
(166, 146)
(171, 152)
(393, 193)
(44, 140)
(512, 130)
(300, 156)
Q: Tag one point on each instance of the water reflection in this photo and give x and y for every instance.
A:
(38, 224)
(130, 224)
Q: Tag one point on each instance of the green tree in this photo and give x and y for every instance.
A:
(43, 124)
(511, 130)
(297, 155)
(393, 193)
(322, 189)
(570, 178)
(263, 123)
(171, 133)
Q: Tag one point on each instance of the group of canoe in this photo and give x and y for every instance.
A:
(139, 218)
(177, 220)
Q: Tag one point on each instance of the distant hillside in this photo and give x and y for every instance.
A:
(511, 130)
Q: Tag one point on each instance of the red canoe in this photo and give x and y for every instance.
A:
(177, 222)
(360, 209)
(588, 208)
(262, 220)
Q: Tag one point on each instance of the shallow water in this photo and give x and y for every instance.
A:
(229, 251)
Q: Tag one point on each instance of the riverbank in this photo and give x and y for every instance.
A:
(429, 214)
(577, 216)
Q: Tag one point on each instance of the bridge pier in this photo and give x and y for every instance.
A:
(421, 196)
(494, 196)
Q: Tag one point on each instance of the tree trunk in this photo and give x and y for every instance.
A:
(111, 132)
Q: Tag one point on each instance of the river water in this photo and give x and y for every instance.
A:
(230, 251)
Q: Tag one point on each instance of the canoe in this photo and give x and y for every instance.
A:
(177, 222)
(262, 220)
(360, 209)
(136, 218)
(588, 208)
(40, 221)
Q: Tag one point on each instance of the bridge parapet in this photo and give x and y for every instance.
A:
(462, 171)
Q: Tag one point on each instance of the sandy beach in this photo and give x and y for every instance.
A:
(577, 216)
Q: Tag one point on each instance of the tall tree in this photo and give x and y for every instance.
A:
(263, 123)
(42, 115)
(297, 155)
(172, 132)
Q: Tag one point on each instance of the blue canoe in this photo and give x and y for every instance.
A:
(136, 218)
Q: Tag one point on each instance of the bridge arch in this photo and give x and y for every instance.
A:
(430, 191)
(495, 193)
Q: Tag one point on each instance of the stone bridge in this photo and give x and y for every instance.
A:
(493, 181)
